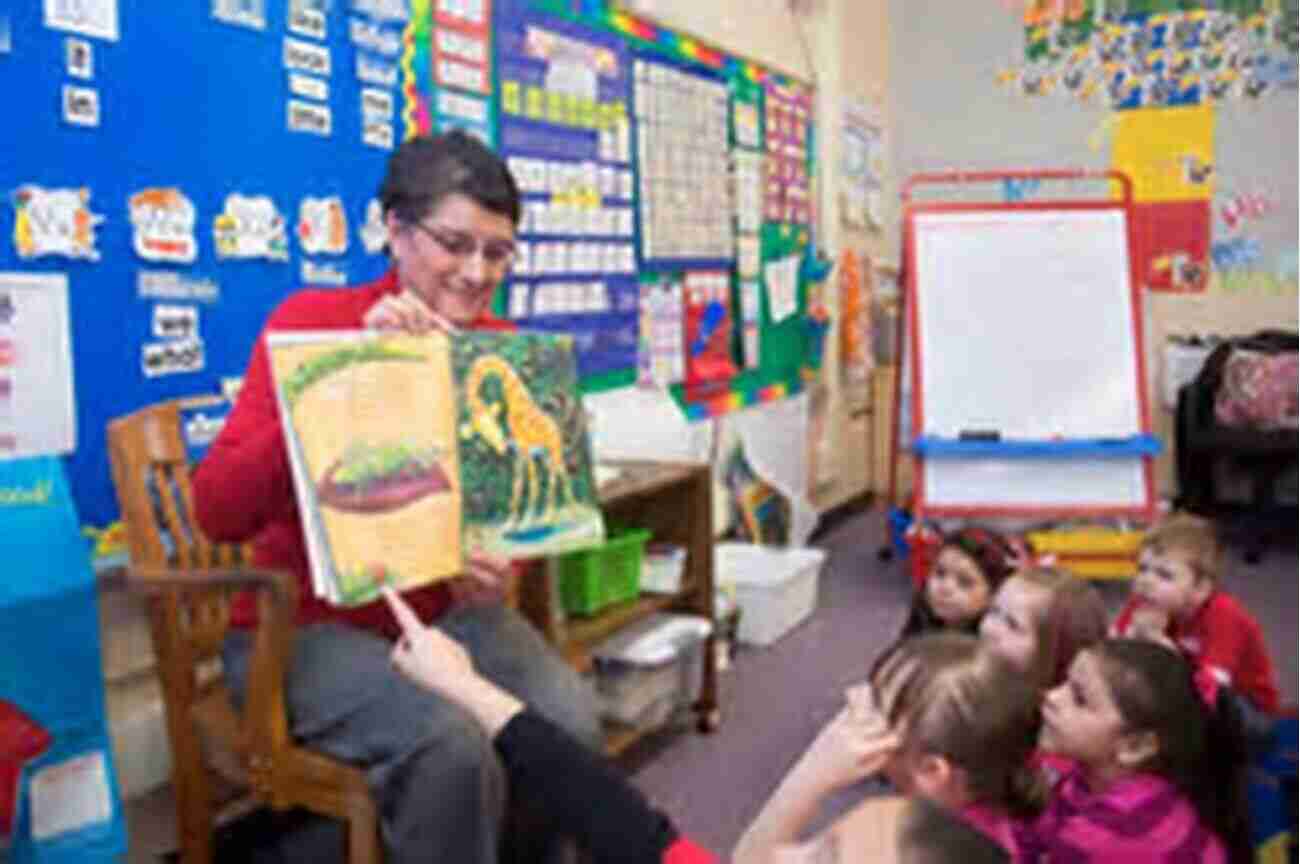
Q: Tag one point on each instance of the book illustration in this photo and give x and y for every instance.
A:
(407, 450)
(373, 447)
(532, 433)
(526, 458)
(373, 478)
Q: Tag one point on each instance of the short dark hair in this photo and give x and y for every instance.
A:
(426, 169)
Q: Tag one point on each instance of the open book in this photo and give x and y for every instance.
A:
(409, 450)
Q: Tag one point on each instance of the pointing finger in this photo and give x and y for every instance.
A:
(406, 618)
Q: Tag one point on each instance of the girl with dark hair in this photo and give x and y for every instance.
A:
(1149, 772)
(968, 569)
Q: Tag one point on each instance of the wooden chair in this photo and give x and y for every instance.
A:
(190, 582)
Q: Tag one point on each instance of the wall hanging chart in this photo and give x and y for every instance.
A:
(566, 132)
(772, 351)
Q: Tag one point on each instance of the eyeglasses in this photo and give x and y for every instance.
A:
(498, 254)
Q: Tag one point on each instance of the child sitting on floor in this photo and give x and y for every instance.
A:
(1040, 619)
(1148, 772)
(941, 719)
(968, 569)
(1177, 601)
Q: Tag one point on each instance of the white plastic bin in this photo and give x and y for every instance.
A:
(649, 668)
(661, 572)
(776, 588)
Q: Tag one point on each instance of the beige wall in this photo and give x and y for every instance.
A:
(846, 42)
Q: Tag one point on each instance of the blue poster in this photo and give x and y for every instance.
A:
(55, 757)
(566, 130)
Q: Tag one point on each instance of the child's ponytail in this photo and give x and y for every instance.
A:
(1228, 758)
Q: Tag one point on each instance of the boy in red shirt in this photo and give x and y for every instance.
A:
(1177, 601)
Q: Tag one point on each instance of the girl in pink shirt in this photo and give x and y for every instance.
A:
(1146, 775)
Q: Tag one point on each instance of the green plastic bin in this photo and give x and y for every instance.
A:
(592, 579)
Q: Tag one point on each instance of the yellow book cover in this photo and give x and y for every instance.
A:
(407, 450)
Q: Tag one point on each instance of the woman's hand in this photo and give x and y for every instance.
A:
(407, 313)
(484, 580)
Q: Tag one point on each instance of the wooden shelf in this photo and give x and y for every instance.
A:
(583, 633)
(643, 478)
(672, 500)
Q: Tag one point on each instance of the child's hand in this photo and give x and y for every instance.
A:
(1149, 623)
(426, 655)
(855, 744)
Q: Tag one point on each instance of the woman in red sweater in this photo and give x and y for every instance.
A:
(450, 207)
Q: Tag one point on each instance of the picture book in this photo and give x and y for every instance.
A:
(408, 452)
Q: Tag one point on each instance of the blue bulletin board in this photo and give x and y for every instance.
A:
(166, 121)
(188, 165)
(566, 131)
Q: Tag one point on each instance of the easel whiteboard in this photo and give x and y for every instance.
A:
(1025, 323)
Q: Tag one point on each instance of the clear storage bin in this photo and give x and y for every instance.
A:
(648, 669)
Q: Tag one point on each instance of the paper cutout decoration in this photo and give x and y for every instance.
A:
(250, 227)
(314, 273)
(708, 327)
(380, 10)
(373, 232)
(1168, 153)
(855, 321)
(1172, 245)
(80, 106)
(245, 13)
(309, 18)
(54, 222)
(660, 358)
(1147, 58)
(163, 220)
(322, 226)
(96, 18)
(21, 740)
(172, 357)
(79, 57)
(782, 278)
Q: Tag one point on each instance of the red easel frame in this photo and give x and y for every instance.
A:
(907, 318)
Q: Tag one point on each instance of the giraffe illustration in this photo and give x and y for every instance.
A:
(532, 433)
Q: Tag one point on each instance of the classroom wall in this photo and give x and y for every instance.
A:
(846, 41)
(949, 113)
(632, 423)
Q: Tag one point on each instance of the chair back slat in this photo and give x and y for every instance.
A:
(182, 552)
(151, 473)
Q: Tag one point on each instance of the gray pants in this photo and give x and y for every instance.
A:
(439, 784)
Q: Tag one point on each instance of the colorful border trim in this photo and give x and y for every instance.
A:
(735, 400)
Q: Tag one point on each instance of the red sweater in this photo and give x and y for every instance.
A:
(243, 488)
(1223, 639)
